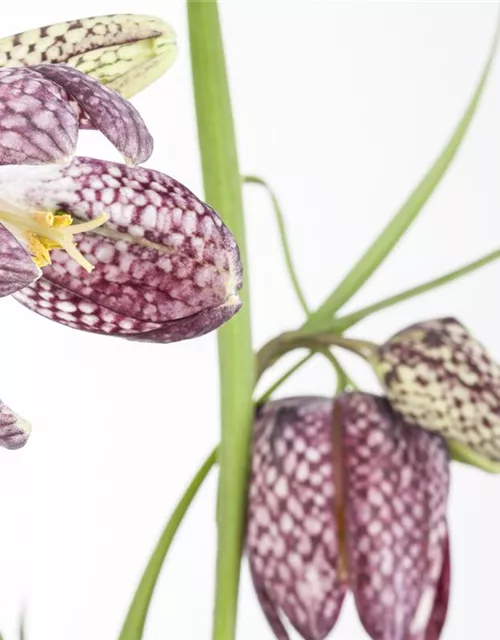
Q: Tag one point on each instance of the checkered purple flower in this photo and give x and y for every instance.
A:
(346, 495)
(153, 263)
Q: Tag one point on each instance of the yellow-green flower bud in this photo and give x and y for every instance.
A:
(436, 375)
(126, 52)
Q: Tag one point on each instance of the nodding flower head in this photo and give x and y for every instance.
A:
(127, 52)
(153, 262)
(346, 495)
(438, 376)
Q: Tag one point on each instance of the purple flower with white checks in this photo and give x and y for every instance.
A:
(14, 431)
(346, 495)
(43, 107)
(154, 263)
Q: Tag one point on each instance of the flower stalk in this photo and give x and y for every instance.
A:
(222, 184)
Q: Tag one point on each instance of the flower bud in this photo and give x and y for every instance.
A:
(437, 376)
(127, 52)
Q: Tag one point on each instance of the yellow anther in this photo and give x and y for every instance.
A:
(44, 218)
(45, 231)
(62, 220)
(39, 252)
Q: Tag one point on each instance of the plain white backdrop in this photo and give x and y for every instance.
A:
(342, 107)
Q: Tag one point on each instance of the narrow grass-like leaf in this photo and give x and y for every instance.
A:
(392, 233)
(280, 220)
(133, 627)
(341, 324)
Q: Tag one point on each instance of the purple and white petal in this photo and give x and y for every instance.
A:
(37, 124)
(292, 531)
(396, 484)
(163, 256)
(114, 116)
(14, 431)
(17, 269)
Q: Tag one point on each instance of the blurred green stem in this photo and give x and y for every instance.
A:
(222, 181)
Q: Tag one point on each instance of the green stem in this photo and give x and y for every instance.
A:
(267, 394)
(345, 322)
(133, 627)
(274, 349)
(222, 183)
(400, 223)
(284, 241)
(461, 453)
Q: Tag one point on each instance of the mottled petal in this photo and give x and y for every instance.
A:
(17, 269)
(14, 431)
(439, 377)
(127, 52)
(396, 485)
(292, 532)
(440, 609)
(114, 116)
(37, 124)
(163, 256)
(268, 606)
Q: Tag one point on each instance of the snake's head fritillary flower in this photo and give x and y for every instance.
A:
(14, 431)
(127, 52)
(42, 108)
(346, 495)
(438, 376)
(153, 262)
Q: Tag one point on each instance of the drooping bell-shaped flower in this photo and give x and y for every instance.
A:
(438, 376)
(127, 52)
(154, 262)
(346, 495)
(14, 431)
(42, 108)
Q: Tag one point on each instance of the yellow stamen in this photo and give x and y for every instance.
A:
(45, 231)
(39, 253)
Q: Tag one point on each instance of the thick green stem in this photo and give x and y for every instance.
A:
(222, 183)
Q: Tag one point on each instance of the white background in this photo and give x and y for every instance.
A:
(342, 107)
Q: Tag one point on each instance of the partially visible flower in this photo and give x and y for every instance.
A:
(346, 495)
(14, 431)
(43, 106)
(163, 266)
(439, 377)
(127, 52)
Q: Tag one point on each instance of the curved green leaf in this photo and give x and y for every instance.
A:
(392, 233)
(133, 627)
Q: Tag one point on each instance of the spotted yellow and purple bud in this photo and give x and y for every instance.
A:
(438, 376)
(153, 262)
(42, 108)
(346, 495)
(127, 52)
